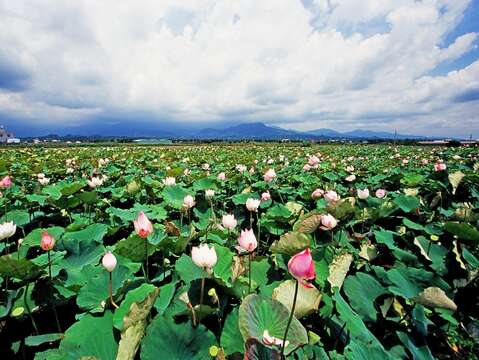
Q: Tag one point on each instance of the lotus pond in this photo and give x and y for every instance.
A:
(246, 251)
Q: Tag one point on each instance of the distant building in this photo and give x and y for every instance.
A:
(6, 136)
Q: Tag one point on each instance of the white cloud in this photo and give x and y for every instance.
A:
(305, 64)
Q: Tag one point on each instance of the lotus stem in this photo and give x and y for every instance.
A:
(27, 307)
(202, 293)
(259, 230)
(249, 273)
(146, 260)
(49, 265)
(110, 291)
(290, 318)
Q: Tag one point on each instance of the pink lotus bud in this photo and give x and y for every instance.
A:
(363, 194)
(48, 242)
(316, 194)
(328, 222)
(6, 182)
(204, 257)
(424, 161)
(143, 226)
(252, 204)
(269, 175)
(331, 196)
(247, 241)
(188, 202)
(109, 261)
(439, 166)
(222, 176)
(301, 267)
(380, 193)
(265, 196)
(306, 167)
(229, 222)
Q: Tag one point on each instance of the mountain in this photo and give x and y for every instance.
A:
(363, 134)
(250, 131)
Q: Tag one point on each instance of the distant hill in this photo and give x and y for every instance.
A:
(249, 131)
(363, 134)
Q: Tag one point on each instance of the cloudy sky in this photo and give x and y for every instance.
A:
(410, 65)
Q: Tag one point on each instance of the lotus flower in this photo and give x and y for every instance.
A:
(316, 194)
(247, 241)
(95, 181)
(380, 193)
(306, 167)
(229, 222)
(439, 166)
(143, 226)
(222, 176)
(301, 267)
(350, 178)
(209, 194)
(204, 257)
(48, 242)
(363, 194)
(331, 196)
(169, 181)
(328, 222)
(6, 182)
(269, 175)
(109, 261)
(252, 204)
(265, 196)
(7, 229)
(188, 202)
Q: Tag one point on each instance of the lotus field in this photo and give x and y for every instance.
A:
(246, 251)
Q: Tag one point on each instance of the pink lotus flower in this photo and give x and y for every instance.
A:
(229, 222)
(306, 167)
(6, 182)
(222, 176)
(269, 175)
(204, 257)
(363, 194)
(188, 202)
(331, 196)
(265, 196)
(380, 193)
(252, 204)
(301, 267)
(350, 178)
(109, 261)
(439, 166)
(143, 226)
(247, 241)
(328, 222)
(313, 160)
(424, 161)
(48, 242)
(316, 194)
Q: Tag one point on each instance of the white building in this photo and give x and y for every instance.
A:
(5, 136)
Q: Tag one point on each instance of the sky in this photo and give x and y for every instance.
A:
(384, 65)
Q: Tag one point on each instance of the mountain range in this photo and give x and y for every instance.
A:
(246, 131)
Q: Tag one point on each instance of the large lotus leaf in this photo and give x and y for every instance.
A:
(278, 211)
(205, 184)
(188, 270)
(74, 241)
(135, 295)
(408, 282)
(419, 352)
(362, 290)
(134, 321)
(166, 295)
(433, 252)
(355, 327)
(463, 231)
(95, 292)
(306, 303)
(308, 223)
(22, 269)
(338, 269)
(436, 298)
(407, 203)
(342, 208)
(231, 339)
(291, 243)
(257, 351)
(36, 340)
(89, 254)
(412, 180)
(90, 337)
(386, 237)
(174, 196)
(455, 179)
(222, 270)
(134, 248)
(258, 313)
(166, 340)
(19, 217)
